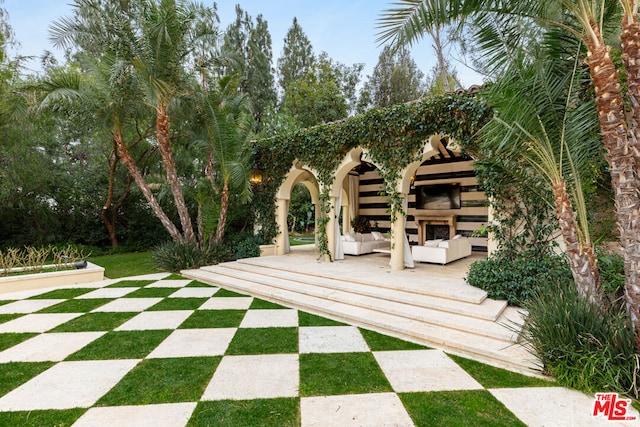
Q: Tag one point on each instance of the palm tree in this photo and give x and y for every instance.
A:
(226, 125)
(588, 21)
(154, 40)
(538, 120)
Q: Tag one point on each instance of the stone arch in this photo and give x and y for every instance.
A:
(297, 174)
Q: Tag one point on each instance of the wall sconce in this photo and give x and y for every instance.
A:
(413, 181)
(255, 176)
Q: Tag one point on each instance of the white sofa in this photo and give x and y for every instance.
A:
(359, 244)
(442, 251)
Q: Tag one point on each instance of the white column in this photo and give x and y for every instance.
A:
(397, 243)
(281, 220)
(331, 228)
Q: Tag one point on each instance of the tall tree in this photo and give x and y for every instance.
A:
(252, 43)
(395, 79)
(589, 22)
(297, 56)
(154, 40)
(325, 94)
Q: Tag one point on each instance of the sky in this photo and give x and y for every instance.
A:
(345, 29)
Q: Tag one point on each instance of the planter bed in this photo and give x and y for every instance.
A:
(24, 282)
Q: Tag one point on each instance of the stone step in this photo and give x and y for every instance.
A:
(444, 287)
(488, 309)
(493, 351)
(426, 315)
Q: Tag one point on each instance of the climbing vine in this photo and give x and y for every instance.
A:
(394, 136)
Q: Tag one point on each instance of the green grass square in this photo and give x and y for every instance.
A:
(63, 293)
(174, 276)
(11, 339)
(151, 293)
(14, 374)
(167, 380)
(178, 304)
(11, 316)
(224, 293)
(213, 319)
(92, 322)
(381, 342)
(198, 284)
(492, 377)
(308, 319)
(260, 304)
(121, 345)
(76, 305)
(53, 417)
(131, 283)
(458, 408)
(280, 412)
(327, 374)
(6, 301)
(264, 341)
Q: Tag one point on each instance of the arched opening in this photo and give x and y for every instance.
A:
(301, 218)
(304, 180)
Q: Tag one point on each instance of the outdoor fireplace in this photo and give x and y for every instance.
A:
(432, 227)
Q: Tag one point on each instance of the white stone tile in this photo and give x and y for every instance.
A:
(39, 322)
(194, 293)
(227, 303)
(270, 319)
(423, 370)
(169, 284)
(28, 305)
(555, 406)
(48, 347)
(25, 294)
(67, 385)
(371, 410)
(148, 320)
(107, 293)
(128, 304)
(255, 377)
(331, 339)
(194, 342)
(158, 415)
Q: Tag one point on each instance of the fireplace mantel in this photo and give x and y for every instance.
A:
(423, 219)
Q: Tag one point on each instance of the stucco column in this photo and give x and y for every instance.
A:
(397, 243)
(331, 227)
(281, 220)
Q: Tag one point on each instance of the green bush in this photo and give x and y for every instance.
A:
(243, 245)
(583, 346)
(516, 279)
(611, 267)
(175, 256)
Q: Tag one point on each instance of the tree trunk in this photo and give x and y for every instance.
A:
(164, 146)
(224, 206)
(581, 259)
(110, 223)
(630, 38)
(131, 166)
(622, 169)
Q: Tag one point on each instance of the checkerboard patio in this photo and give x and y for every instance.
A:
(174, 352)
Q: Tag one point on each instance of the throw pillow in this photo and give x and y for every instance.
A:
(432, 243)
(377, 235)
(349, 238)
(457, 236)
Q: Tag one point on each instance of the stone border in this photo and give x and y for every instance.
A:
(93, 273)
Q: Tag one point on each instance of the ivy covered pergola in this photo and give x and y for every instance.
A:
(395, 139)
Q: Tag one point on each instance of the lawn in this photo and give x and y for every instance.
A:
(126, 265)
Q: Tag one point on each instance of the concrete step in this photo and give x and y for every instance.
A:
(488, 309)
(497, 352)
(431, 316)
(441, 287)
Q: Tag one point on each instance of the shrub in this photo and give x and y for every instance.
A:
(361, 224)
(611, 267)
(582, 345)
(243, 245)
(175, 256)
(516, 279)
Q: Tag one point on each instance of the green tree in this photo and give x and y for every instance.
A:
(396, 79)
(297, 56)
(325, 94)
(153, 42)
(252, 42)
